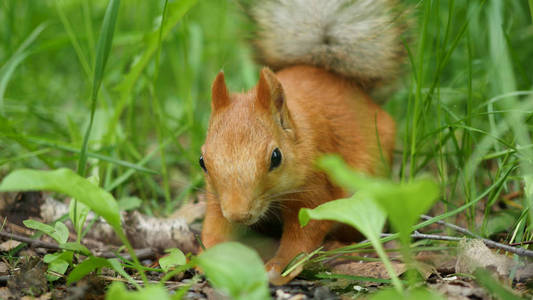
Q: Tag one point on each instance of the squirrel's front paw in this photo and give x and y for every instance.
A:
(275, 267)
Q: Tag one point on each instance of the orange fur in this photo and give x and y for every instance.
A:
(305, 112)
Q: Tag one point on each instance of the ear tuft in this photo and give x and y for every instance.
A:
(219, 93)
(269, 90)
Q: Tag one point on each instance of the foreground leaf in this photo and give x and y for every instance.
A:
(235, 270)
(86, 267)
(403, 202)
(360, 212)
(175, 258)
(67, 182)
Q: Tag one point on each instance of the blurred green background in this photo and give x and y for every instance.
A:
(464, 107)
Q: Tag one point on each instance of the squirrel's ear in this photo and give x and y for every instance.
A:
(219, 93)
(269, 90)
(271, 97)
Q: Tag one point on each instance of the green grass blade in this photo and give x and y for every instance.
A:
(103, 48)
(73, 39)
(11, 64)
(176, 10)
(531, 9)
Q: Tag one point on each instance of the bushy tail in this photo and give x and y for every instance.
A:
(356, 38)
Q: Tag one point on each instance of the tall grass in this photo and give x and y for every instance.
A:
(464, 111)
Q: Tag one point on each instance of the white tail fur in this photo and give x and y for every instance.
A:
(356, 38)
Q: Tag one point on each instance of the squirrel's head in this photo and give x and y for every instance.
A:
(248, 155)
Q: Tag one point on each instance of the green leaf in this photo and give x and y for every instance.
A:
(117, 291)
(59, 232)
(175, 258)
(117, 266)
(76, 247)
(58, 263)
(59, 266)
(67, 182)
(403, 202)
(235, 270)
(129, 203)
(45, 228)
(360, 212)
(415, 294)
(86, 267)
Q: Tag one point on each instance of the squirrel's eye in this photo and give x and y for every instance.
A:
(275, 159)
(202, 164)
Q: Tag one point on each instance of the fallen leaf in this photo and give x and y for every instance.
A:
(3, 269)
(458, 289)
(473, 254)
(367, 269)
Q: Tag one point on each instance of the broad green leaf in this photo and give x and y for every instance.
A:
(175, 258)
(415, 294)
(57, 266)
(360, 212)
(117, 291)
(59, 232)
(45, 228)
(129, 203)
(403, 202)
(86, 267)
(57, 263)
(64, 255)
(77, 247)
(67, 182)
(235, 270)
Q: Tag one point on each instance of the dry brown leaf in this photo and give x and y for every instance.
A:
(473, 254)
(5, 293)
(367, 269)
(3, 269)
(457, 289)
(9, 245)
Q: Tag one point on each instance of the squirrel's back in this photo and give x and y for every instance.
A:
(355, 38)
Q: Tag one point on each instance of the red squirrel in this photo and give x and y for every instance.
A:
(261, 145)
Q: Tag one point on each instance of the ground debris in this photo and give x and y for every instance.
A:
(473, 254)
(28, 278)
(459, 289)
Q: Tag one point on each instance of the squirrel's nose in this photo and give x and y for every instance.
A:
(236, 209)
(237, 216)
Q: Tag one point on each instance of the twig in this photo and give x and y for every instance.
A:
(454, 227)
(521, 243)
(30, 241)
(489, 243)
(141, 253)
